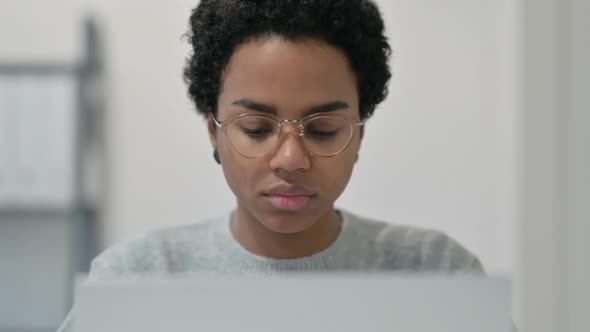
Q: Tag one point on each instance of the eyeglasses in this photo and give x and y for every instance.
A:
(255, 135)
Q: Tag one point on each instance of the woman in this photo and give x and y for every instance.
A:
(285, 87)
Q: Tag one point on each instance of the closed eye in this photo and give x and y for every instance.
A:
(256, 132)
(322, 134)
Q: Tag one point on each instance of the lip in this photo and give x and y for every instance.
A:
(289, 197)
(289, 203)
(289, 190)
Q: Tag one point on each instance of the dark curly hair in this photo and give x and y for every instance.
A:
(217, 27)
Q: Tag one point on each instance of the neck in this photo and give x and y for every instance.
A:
(255, 237)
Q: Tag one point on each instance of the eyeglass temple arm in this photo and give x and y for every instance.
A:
(217, 123)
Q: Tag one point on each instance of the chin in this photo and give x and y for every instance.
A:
(288, 224)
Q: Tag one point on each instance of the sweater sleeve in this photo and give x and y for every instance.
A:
(139, 256)
(442, 252)
(97, 269)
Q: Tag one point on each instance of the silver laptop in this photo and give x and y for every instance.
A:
(326, 303)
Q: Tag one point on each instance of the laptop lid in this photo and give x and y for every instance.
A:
(327, 303)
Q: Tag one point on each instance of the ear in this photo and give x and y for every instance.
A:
(361, 135)
(362, 132)
(212, 129)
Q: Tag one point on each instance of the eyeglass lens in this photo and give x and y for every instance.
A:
(257, 135)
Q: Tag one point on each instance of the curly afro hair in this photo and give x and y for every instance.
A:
(217, 27)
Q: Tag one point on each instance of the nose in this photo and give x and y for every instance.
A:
(290, 154)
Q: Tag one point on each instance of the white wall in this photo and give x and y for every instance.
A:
(440, 152)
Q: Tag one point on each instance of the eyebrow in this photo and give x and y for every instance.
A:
(269, 109)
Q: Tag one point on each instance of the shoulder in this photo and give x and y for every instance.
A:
(413, 248)
(156, 251)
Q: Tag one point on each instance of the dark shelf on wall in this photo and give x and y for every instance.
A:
(44, 240)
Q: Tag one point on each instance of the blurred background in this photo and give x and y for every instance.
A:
(482, 136)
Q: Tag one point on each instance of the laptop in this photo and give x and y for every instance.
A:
(300, 302)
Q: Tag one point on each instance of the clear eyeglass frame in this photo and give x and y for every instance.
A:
(354, 123)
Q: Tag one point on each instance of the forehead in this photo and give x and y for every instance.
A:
(292, 76)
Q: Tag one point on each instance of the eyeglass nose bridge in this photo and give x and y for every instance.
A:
(298, 123)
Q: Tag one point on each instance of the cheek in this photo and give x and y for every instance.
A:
(241, 174)
(336, 171)
(334, 174)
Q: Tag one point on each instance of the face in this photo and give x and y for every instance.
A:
(287, 190)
